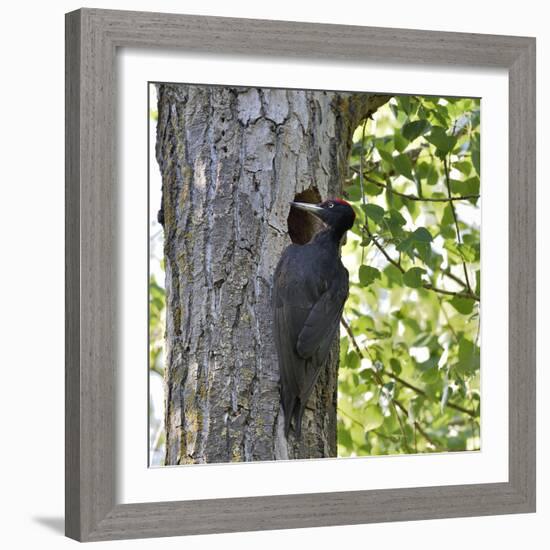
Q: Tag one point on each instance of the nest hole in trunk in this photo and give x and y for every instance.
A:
(303, 225)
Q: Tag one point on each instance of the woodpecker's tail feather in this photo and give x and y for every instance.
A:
(293, 411)
(288, 407)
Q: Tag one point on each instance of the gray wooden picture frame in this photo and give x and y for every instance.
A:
(92, 39)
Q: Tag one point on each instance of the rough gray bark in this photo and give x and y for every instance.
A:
(231, 160)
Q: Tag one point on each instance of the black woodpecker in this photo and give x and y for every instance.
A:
(310, 288)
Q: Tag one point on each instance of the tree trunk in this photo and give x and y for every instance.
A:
(231, 159)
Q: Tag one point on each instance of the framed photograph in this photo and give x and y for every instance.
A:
(300, 275)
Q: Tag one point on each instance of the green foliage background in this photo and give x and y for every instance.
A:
(410, 358)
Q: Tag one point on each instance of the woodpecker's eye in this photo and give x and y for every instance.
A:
(331, 205)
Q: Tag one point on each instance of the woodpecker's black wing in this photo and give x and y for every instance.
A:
(323, 321)
(308, 304)
(291, 309)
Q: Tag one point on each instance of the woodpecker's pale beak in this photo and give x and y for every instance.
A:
(308, 207)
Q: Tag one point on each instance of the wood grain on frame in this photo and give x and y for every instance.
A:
(92, 37)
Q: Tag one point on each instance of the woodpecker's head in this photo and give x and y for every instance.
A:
(336, 213)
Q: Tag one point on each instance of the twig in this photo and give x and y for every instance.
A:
(419, 427)
(470, 294)
(423, 199)
(361, 425)
(420, 391)
(448, 273)
(384, 436)
(446, 315)
(381, 382)
(382, 249)
(350, 417)
(427, 286)
(397, 378)
(401, 426)
(453, 210)
(354, 341)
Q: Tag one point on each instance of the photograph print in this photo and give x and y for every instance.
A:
(314, 274)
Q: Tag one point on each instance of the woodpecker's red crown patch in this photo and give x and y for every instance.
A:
(341, 201)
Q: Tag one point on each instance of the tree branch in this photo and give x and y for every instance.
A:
(419, 428)
(354, 420)
(469, 295)
(445, 314)
(416, 389)
(453, 210)
(427, 286)
(381, 383)
(420, 391)
(402, 427)
(448, 273)
(360, 424)
(422, 199)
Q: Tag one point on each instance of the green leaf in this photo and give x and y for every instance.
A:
(373, 189)
(385, 155)
(377, 177)
(406, 246)
(366, 375)
(428, 172)
(404, 102)
(344, 437)
(448, 232)
(421, 234)
(412, 130)
(396, 217)
(403, 165)
(463, 166)
(393, 274)
(395, 366)
(456, 443)
(471, 186)
(467, 252)
(462, 305)
(394, 221)
(357, 435)
(431, 375)
(363, 324)
(447, 218)
(413, 208)
(475, 153)
(353, 192)
(368, 274)
(438, 137)
(424, 251)
(432, 177)
(373, 418)
(468, 357)
(460, 252)
(413, 277)
(441, 114)
(374, 212)
(352, 360)
(430, 363)
(399, 141)
(344, 346)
